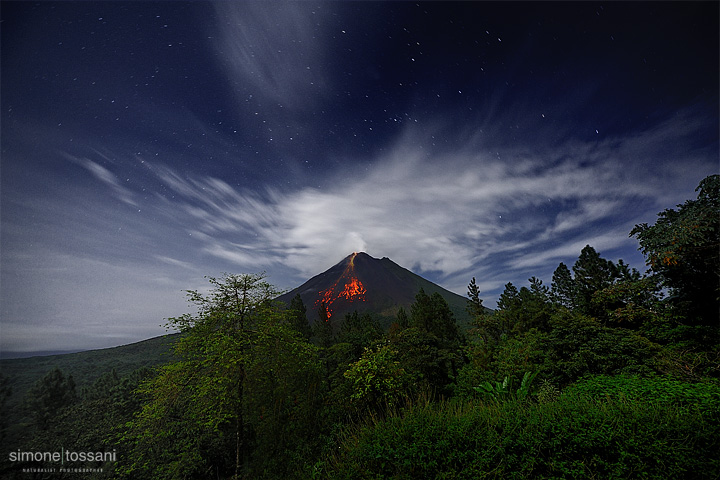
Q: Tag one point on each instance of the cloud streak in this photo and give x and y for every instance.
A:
(273, 47)
(451, 213)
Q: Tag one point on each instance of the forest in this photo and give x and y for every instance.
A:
(602, 372)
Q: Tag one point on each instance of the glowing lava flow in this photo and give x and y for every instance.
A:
(352, 288)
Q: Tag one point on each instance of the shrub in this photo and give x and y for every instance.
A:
(657, 390)
(582, 434)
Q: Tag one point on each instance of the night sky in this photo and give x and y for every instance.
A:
(146, 145)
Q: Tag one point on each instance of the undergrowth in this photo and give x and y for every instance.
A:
(603, 427)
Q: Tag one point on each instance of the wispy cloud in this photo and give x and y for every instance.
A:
(274, 48)
(448, 212)
(105, 176)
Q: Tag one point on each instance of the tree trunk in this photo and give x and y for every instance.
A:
(238, 441)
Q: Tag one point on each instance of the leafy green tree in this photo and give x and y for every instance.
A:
(432, 314)
(357, 333)
(508, 341)
(562, 290)
(509, 298)
(431, 346)
(378, 379)
(298, 317)
(402, 318)
(519, 311)
(475, 307)
(432, 361)
(521, 352)
(200, 417)
(683, 247)
(536, 305)
(360, 331)
(482, 338)
(630, 302)
(49, 396)
(491, 328)
(592, 273)
(283, 400)
(322, 329)
(577, 345)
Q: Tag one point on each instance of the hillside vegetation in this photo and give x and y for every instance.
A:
(602, 373)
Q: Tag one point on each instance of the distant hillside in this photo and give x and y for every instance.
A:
(86, 367)
(366, 284)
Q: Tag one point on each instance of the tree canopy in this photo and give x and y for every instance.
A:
(683, 247)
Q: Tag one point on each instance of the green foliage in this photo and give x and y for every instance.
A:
(50, 394)
(563, 287)
(578, 345)
(490, 328)
(360, 331)
(475, 307)
(630, 302)
(683, 247)
(432, 362)
(322, 329)
(431, 314)
(403, 320)
(547, 392)
(509, 298)
(283, 398)
(578, 435)
(535, 306)
(298, 317)
(592, 273)
(378, 380)
(520, 311)
(244, 387)
(518, 353)
(657, 390)
(507, 390)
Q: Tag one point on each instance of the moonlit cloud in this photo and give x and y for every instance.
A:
(452, 213)
(273, 47)
(106, 176)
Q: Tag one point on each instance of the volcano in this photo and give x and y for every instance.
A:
(365, 284)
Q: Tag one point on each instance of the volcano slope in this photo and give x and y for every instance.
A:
(366, 284)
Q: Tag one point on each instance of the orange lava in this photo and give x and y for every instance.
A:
(352, 288)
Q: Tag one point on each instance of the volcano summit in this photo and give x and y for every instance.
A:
(365, 284)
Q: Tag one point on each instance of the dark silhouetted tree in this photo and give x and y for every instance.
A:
(402, 318)
(322, 329)
(475, 307)
(202, 417)
(592, 273)
(562, 289)
(298, 317)
(683, 247)
(432, 314)
(49, 396)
